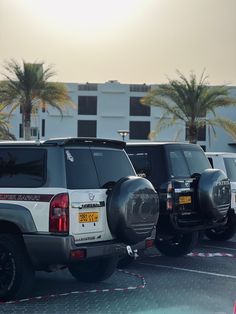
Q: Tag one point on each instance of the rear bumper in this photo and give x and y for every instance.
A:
(56, 250)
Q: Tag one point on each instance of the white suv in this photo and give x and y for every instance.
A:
(226, 162)
(73, 202)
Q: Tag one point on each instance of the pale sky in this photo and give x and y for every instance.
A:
(132, 41)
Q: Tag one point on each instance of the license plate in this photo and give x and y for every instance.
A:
(88, 217)
(185, 200)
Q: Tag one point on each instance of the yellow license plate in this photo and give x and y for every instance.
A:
(88, 217)
(185, 200)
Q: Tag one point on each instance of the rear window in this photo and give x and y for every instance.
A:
(185, 162)
(112, 165)
(230, 166)
(22, 167)
(96, 168)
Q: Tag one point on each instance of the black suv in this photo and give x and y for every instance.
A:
(69, 202)
(193, 196)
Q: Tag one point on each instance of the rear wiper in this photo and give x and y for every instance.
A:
(109, 185)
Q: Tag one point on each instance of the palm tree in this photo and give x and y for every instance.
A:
(4, 126)
(190, 101)
(26, 86)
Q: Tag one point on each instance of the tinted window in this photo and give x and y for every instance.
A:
(142, 164)
(22, 167)
(87, 128)
(137, 109)
(92, 169)
(197, 161)
(111, 165)
(230, 165)
(139, 130)
(149, 162)
(178, 164)
(80, 169)
(186, 162)
(87, 105)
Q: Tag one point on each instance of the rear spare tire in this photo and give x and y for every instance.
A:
(214, 194)
(132, 209)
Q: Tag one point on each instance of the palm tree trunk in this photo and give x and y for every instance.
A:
(193, 133)
(27, 126)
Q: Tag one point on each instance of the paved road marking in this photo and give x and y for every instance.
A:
(189, 270)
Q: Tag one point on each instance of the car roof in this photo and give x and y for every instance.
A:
(155, 143)
(66, 141)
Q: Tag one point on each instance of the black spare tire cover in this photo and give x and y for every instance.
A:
(214, 194)
(132, 209)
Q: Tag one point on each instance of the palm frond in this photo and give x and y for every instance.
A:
(189, 100)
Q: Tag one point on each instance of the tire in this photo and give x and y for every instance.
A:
(178, 245)
(222, 233)
(132, 209)
(16, 271)
(94, 270)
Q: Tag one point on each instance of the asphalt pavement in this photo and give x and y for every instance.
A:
(203, 282)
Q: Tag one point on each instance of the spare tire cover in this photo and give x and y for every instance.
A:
(132, 209)
(214, 194)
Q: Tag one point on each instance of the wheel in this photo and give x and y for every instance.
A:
(16, 271)
(94, 270)
(222, 233)
(178, 245)
(132, 209)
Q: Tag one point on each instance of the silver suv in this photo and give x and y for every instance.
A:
(71, 202)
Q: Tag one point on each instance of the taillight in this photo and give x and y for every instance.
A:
(59, 213)
(169, 200)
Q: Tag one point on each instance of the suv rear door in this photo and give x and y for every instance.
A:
(90, 171)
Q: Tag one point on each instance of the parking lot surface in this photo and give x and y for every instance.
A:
(202, 282)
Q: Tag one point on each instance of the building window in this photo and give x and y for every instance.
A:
(141, 88)
(139, 130)
(34, 131)
(21, 131)
(43, 128)
(137, 109)
(201, 133)
(87, 105)
(88, 86)
(87, 128)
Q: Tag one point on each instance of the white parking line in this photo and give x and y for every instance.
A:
(190, 270)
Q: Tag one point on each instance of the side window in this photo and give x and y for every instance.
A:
(141, 163)
(230, 165)
(211, 161)
(22, 167)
